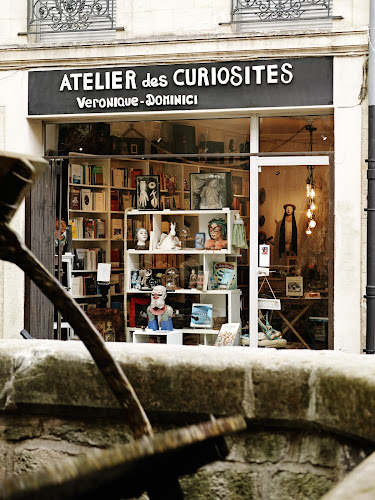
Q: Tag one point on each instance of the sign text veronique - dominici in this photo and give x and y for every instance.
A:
(245, 84)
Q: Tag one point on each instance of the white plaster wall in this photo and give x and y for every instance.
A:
(348, 208)
(170, 18)
(15, 135)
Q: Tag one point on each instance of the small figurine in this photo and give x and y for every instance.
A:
(144, 276)
(159, 314)
(141, 236)
(217, 229)
(169, 241)
(193, 279)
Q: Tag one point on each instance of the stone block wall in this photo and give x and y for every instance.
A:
(305, 429)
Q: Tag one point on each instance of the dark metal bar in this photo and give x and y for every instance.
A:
(189, 155)
(20, 33)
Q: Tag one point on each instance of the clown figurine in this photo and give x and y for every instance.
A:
(158, 313)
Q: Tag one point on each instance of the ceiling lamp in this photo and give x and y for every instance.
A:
(310, 188)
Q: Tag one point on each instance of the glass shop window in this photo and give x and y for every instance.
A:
(294, 222)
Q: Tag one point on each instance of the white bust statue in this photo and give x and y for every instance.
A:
(141, 236)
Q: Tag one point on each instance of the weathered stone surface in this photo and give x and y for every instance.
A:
(302, 409)
(319, 449)
(298, 486)
(221, 485)
(266, 447)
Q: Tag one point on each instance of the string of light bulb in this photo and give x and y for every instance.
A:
(310, 189)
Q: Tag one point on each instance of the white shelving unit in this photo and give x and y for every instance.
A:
(226, 303)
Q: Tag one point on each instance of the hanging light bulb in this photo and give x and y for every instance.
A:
(308, 189)
(312, 192)
(309, 213)
(308, 231)
(312, 205)
(312, 223)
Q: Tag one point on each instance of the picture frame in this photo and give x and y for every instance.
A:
(210, 191)
(200, 239)
(148, 192)
(294, 286)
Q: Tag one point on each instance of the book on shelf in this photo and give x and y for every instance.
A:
(229, 335)
(116, 257)
(89, 285)
(224, 275)
(134, 172)
(117, 283)
(79, 259)
(117, 229)
(118, 177)
(77, 286)
(97, 175)
(115, 200)
(99, 201)
(100, 228)
(76, 173)
(75, 199)
(127, 201)
(86, 200)
(90, 229)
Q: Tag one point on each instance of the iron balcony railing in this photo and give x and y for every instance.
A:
(280, 10)
(53, 16)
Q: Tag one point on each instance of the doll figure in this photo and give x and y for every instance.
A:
(158, 313)
(141, 237)
(217, 229)
(288, 231)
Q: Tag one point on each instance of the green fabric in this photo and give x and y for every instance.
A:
(239, 236)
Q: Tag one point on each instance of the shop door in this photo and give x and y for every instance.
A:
(291, 240)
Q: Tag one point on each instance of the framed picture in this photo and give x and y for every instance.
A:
(294, 286)
(200, 239)
(201, 316)
(210, 191)
(148, 192)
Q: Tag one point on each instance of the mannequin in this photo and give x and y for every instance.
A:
(288, 231)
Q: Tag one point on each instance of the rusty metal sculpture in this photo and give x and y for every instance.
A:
(180, 452)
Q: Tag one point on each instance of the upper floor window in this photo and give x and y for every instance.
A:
(71, 20)
(281, 14)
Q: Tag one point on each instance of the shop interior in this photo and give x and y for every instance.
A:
(293, 220)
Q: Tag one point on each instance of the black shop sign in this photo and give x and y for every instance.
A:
(223, 85)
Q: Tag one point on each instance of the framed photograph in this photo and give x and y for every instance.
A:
(294, 286)
(264, 255)
(148, 192)
(210, 191)
(200, 239)
(201, 316)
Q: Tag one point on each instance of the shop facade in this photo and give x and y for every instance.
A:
(247, 113)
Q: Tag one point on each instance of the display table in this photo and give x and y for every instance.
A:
(304, 304)
(143, 336)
